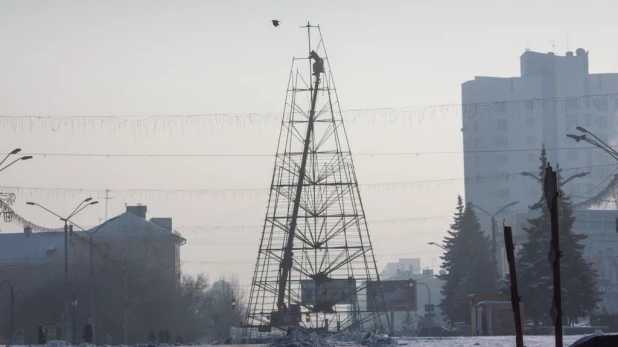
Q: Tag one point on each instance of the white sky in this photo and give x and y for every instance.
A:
(140, 58)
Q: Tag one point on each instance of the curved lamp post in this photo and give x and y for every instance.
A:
(437, 245)
(82, 205)
(13, 152)
(492, 216)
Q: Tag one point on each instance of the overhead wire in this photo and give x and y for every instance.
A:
(243, 192)
(256, 155)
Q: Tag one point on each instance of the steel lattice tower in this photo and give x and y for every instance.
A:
(315, 259)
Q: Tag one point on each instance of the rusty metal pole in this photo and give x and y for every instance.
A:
(515, 299)
(551, 196)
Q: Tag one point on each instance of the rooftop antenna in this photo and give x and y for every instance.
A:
(567, 41)
(527, 46)
(107, 198)
(553, 45)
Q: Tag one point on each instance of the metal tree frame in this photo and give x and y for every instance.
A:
(315, 235)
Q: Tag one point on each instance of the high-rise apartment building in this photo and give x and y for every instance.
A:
(506, 120)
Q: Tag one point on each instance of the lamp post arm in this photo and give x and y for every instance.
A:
(13, 162)
(482, 210)
(570, 179)
(75, 211)
(607, 149)
(50, 211)
(525, 173)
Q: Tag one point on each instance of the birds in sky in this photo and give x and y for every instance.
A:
(276, 22)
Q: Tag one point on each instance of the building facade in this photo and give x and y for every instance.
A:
(33, 261)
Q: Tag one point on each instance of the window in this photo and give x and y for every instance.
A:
(571, 120)
(530, 123)
(530, 140)
(572, 103)
(572, 154)
(503, 193)
(502, 124)
(600, 122)
(502, 141)
(503, 176)
(500, 106)
(531, 157)
(600, 103)
(502, 158)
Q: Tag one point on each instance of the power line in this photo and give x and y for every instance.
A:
(252, 155)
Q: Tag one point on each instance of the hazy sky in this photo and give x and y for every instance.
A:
(140, 58)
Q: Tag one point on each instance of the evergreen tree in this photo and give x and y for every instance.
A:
(579, 288)
(481, 274)
(468, 264)
(451, 306)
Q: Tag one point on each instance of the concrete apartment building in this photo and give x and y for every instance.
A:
(506, 120)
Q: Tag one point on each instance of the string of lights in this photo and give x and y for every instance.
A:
(383, 187)
(409, 115)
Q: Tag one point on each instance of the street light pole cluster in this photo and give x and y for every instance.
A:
(494, 225)
(13, 152)
(594, 140)
(82, 205)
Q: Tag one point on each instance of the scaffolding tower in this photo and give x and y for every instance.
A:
(315, 266)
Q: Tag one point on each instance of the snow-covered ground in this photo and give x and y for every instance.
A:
(497, 341)
(487, 341)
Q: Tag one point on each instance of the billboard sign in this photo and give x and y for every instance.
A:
(398, 296)
(333, 291)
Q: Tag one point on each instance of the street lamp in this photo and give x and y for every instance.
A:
(12, 293)
(437, 245)
(126, 290)
(82, 205)
(595, 141)
(233, 303)
(578, 175)
(87, 202)
(74, 304)
(15, 151)
(493, 228)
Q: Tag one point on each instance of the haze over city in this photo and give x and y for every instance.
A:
(178, 105)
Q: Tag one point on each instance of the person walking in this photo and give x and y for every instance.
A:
(88, 334)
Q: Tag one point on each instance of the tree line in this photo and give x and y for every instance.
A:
(190, 306)
(470, 269)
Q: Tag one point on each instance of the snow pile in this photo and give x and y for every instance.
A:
(298, 337)
(346, 337)
(375, 340)
(367, 339)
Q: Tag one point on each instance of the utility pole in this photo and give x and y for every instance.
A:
(515, 299)
(107, 198)
(551, 196)
(12, 297)
(494, 247)
(126, 303)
